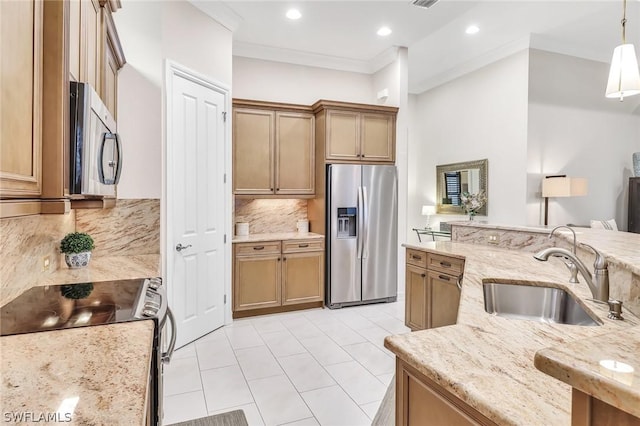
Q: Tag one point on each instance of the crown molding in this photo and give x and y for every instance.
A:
(469, 66)
(268, 53)
(220, 12)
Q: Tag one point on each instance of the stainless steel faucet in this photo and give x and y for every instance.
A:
(572, 267)
(598, 283)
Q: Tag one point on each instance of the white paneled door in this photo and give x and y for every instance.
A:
(195, 203)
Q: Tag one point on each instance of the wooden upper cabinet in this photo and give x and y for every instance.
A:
(273, 149)
(95, 52)
(295, 134)
(356, 132)
(378, 135)
(90, 43)
(21, 98)
(343, 135)
(113, 59)
(253, 145)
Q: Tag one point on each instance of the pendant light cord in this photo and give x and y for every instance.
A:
(624, 21)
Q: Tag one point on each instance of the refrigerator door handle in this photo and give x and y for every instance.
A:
(365, 224)
(360, 208)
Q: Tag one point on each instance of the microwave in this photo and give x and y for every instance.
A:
(95, 149)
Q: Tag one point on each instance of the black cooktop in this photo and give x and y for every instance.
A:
(72, 305)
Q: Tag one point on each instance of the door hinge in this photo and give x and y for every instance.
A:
(224, 116)
(225, 238)
(224, 178)
(225, 299)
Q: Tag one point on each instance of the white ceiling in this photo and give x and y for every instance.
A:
(342, 34)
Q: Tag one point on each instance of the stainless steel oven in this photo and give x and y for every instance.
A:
(56, 307)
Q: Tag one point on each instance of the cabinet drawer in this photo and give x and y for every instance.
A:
(261, 248)
(298, 246)
(446, 264)
(417, 258)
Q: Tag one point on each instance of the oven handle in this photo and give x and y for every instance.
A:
(166, 357)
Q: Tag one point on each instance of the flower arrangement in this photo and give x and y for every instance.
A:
(473, 202)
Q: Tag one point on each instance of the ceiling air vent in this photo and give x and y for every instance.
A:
(424, 3)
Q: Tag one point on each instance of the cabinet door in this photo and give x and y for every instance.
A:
(418, 399)
(444, 299)
(256, 282)
(113, 60)
(343, 135)
(90, 43)
(75, 27)
(295, 153)
(253, 146)
(416, 298)
(21, 98)
(302, 278)
(378, 136)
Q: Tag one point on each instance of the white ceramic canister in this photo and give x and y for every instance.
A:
(242, 229)
(303, 226)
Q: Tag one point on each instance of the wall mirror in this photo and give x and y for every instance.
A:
(454, 179)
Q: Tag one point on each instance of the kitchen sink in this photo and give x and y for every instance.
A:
(535, 303)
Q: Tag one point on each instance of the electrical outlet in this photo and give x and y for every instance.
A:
(494, 238)
(46, 263)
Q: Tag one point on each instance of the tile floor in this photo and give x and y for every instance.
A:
(312, 367)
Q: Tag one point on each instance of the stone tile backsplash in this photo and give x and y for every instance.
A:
(131, 227)
(25, 242)
(266, 216)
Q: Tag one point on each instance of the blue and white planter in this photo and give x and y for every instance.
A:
(77, 260)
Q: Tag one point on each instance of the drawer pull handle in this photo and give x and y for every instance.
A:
(444, 278)
(303, 245)
(459, 282)
(258, 248)
(416, 257)
(445, 264)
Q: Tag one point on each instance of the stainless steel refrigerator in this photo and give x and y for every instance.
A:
(362, 236)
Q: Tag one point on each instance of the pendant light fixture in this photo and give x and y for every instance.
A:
(624, 77)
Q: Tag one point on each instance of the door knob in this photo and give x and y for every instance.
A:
(180, 247)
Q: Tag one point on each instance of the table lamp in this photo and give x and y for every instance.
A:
(428, 211)
(561, 186)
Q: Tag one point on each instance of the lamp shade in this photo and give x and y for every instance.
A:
(564, 187)
(428, 210)
(624, 76)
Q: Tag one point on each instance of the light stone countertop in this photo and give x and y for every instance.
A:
(276, 236)
(487, 360)
(579, 365)
(99, 374)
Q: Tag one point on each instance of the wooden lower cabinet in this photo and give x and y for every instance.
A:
(302, 278)
(432, 294)
(257, 282)
(416, 298)
(421, 401)
(589, 411)
(444, 299)
(275, 276)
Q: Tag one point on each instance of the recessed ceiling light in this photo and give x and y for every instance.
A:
(384, 31)
(294, 14)
(472, 29)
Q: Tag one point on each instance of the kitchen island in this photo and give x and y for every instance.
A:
(486, 361)
(81, 376)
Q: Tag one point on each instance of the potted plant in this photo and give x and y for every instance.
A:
(77, 247)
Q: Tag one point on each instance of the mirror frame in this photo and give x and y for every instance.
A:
(483, 165)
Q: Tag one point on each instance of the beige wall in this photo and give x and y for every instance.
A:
(479, 115)
(574, 130)
(152, 32)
